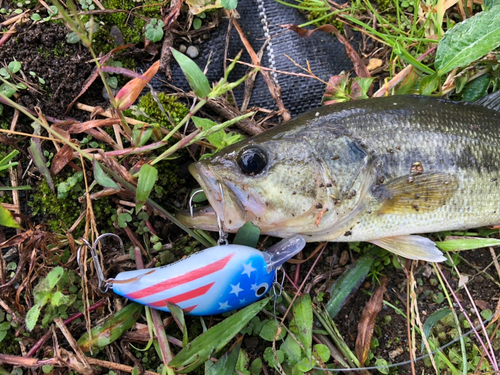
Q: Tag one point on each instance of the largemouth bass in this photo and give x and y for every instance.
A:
(377, 170)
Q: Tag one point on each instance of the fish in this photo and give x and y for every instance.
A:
(379, 170)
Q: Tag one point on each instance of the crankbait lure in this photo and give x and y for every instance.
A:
(212, 281)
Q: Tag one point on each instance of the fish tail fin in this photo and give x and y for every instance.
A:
(491, 101)
(411, 247)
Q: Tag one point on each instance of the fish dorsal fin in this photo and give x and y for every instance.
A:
(416, 194)
(411, 247)
(491, 101)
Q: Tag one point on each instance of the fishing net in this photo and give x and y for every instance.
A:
(260, 21)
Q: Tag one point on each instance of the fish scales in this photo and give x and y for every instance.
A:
(377, 170)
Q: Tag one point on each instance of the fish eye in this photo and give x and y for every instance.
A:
(261, 289)
(252, 160)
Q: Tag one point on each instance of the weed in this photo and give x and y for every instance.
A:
(49, 293)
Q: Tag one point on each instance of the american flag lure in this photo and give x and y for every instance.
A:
(212, 281)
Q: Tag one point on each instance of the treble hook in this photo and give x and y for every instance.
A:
(103, 283)
(191, 201)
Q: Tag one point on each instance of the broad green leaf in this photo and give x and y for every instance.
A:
(227, 363)
(347, 284)
(468, 41)
(322, 351)
(247, 235)
(205, 124)
(466, 243)
(141, 134)
(72, 37)
(432, 320)
(53, 277)
(202, 347)
(194, 75)
(112, 329)
(199, 197)
(147, 179)
(381, 363)
(429, 84)
(256, 366)
(302, 322)
(6, 218)
(32, 317)
(273, 360)
(102, 178)
(476, 89)
(123, 219)
(292, 350)
(229, 4)
(269, 330)
(154, 30)
(197, 23)
(14, 66)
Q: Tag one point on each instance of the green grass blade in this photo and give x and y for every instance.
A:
(202, 348)
(347, 284)
(102, 178)
(467, 243)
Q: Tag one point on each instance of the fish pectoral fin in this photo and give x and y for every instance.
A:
(411, 247)
(413, 194)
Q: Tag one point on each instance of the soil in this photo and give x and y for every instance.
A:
(41, 48)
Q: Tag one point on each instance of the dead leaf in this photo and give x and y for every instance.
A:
(80, 127)
(483, 305)
(112, 164)
(367, 322)
(374, 64)
(132, 89)
(61, 159)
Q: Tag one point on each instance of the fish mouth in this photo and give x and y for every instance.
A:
(224, 204)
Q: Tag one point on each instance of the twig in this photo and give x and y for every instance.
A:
(274, 88)
(495, 260)
(116, 366)
(72, 342)
(227, 111)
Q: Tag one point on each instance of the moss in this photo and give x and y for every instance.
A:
(169, 184)
(62, 213)
(130, 24)
(176, 110)
(383, 5)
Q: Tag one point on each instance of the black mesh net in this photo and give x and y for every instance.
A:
(261, 20)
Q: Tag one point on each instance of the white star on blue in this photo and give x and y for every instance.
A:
(248, 269)
(235, 289)
(224, 306)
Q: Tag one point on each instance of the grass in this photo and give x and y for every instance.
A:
(426, 314)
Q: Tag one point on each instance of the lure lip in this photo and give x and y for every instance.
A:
(284, 250)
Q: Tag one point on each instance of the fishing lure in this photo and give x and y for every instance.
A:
(212, 281)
